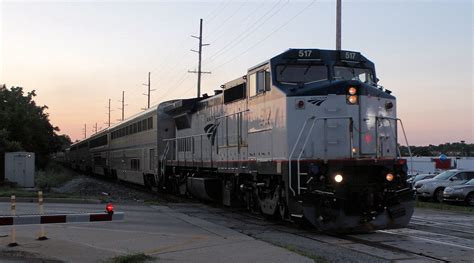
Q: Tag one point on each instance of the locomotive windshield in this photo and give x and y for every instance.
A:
(349, 73)
(301, 73)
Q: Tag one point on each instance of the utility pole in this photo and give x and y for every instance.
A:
(338, 24)
(149, 90)
(123, 105)
(95, 128)
(199, 72)
(108, 123)
(85, 130)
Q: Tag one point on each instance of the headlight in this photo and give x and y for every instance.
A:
(352, 91)
(389, 177)
(352, 99)
(338, 178)
(448, 190)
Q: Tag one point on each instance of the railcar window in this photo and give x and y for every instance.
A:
(234, 93)
(348, 73)
(102, 140)
(296, 74)
(150, 123)
(135, 164)
(260, 81)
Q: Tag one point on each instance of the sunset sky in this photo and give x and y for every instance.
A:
(78, 54)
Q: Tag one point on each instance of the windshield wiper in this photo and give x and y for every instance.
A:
(283, 69)
(288, 83)
(306, 70)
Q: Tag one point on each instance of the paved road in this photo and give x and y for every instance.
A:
(159, 231)
(195, 232)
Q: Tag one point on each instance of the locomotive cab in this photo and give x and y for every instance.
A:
(344, 167)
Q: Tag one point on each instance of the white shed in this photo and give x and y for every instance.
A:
(20, 168)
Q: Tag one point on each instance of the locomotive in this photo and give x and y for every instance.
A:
(307, 135)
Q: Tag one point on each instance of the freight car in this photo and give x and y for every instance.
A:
(307, 135)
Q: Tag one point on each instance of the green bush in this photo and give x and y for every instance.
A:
(53, 176)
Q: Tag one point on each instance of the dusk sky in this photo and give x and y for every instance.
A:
(78, 54)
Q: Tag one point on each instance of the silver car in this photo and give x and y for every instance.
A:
(433, 188)
(460, 193)
(412, 180)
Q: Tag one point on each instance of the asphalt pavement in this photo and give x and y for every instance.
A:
(159, 231)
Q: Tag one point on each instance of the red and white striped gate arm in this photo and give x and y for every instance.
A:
(57, 219)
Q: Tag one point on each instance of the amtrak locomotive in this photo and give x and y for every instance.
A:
(307, 135)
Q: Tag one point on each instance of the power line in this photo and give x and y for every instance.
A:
(221, 24)
(213, 14)
(267, 36)
(250, 31)
(216, 13)
(170, 91)
(250, 14)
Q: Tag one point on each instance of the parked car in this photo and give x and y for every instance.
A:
(412, 180)
(460, 193)
(434, 187)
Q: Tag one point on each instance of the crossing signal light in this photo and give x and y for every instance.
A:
(109, 208)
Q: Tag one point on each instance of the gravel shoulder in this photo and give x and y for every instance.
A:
(91, 188)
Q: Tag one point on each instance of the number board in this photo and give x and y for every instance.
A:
(303, 54)
(348, 55)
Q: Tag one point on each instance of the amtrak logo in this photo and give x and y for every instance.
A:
(211, 131)
(317, 100)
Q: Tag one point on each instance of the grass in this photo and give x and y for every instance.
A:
(153, 202)
(53, 176)
(131, 258)
(444, 206)
(8, 191)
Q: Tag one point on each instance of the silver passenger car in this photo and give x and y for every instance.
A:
(460, 193)
(433, 188)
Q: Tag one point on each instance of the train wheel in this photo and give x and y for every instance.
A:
(282, 207)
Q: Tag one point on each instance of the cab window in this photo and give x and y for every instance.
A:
(259, 82)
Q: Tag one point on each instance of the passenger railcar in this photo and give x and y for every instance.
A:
(307, 134)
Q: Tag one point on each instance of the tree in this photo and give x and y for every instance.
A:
(26, 126)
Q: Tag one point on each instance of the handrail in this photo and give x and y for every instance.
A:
(163, 157)
(314, 119)
(184, 137)
(396, 137)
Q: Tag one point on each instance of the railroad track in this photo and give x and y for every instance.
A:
(425, 240)
(383, 245)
